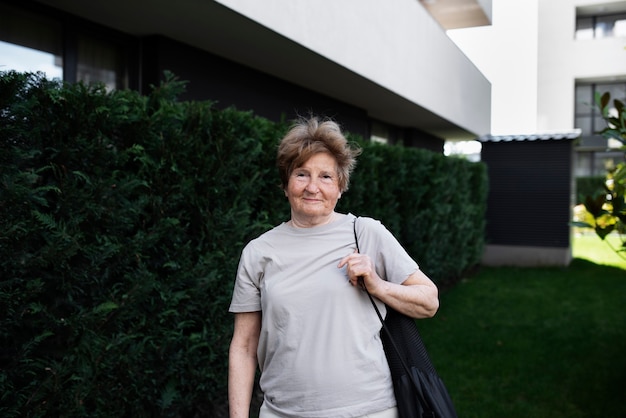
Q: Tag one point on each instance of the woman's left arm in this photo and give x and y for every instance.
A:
(417, 296)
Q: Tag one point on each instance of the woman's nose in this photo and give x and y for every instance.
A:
(311, 186)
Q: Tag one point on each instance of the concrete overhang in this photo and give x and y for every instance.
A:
(601, 8)
(457, 14)
(212, 27)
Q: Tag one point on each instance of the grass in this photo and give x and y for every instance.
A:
(535, 342)
(590, 247)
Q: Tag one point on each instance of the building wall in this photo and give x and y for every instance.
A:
(530, 53)
(506, 53)
(401, 48)
(563, 60)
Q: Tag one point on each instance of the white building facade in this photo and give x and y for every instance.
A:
(545, 60)
(582, 50)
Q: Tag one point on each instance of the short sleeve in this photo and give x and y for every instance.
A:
(392, 261)
(246, 292)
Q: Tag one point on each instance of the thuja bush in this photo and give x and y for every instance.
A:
(122, 218)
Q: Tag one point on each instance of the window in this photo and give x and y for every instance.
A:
(590, 163)
(594, 151)
(100, 61)
(588, 117)
(24, 59)
(31, 41)
(602, 26)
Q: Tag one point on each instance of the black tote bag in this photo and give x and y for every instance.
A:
(419, 391)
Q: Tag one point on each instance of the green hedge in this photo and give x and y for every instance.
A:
(121, 222)
(591, 186)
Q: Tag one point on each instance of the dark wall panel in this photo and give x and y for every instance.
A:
(529, 192)
(230, 84)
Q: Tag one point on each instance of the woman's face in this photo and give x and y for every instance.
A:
(313, 189)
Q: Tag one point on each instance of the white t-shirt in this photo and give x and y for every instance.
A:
(320, 352)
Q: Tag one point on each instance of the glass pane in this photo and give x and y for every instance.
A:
(29, 42)
(604, 87)
(380, 132)
(22, 59)
(100, 61)
(584, 99)
(584, 28)
(607, 26)
(606, 160)
(583, 164)
(598, 124)
(616, 90)
(603, 29)
(584, 124)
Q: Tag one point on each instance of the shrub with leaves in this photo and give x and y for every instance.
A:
(122, 218)
(606, 211)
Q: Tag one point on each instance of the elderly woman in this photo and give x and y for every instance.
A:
(300, 313)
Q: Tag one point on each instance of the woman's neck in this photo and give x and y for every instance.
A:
(312, 222)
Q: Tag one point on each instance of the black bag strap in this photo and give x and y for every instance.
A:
(418, 389)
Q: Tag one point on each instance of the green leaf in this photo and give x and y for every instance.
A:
(594, 205)
(619, 106)
(602, 232)
(603, 101)
(581, 224)
(168, 395)
(47, 221)
(106, 307)
(618, 206)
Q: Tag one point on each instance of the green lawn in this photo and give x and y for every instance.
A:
(535, 342)
(590, 247)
